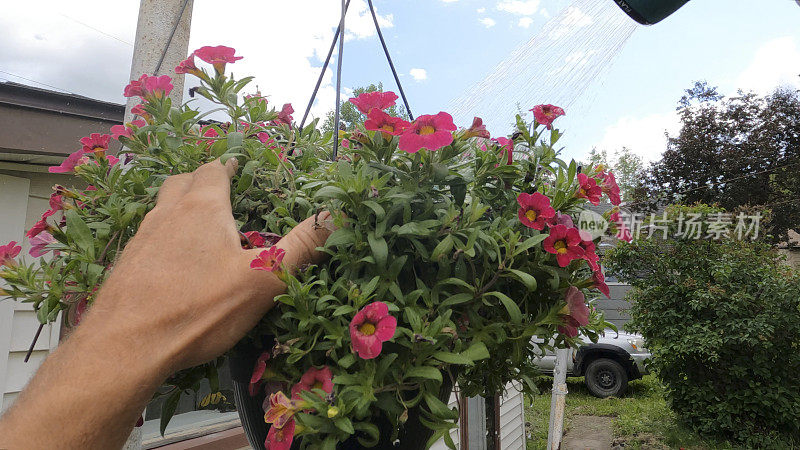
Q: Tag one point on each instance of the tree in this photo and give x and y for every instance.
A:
(627, 166)
(741, 153)
(350, 116)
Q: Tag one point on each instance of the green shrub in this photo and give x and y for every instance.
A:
(723, 324)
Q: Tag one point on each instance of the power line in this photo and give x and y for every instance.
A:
(97, 30)
(37, 82)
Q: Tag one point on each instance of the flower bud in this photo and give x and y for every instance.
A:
(333, 412)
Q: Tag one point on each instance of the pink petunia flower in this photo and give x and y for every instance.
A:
(255, 239)
(547, 114)
(8, 252)
(96, 143)
(599, 280)
(280, 438)
(534, 210)
(135, 88)
(56, 201)
(269, 260)
(478, 129)
(368, 101)
(590, 255)
(314, 379)
(258, 373)
(575, 313)
(565, 244)
(73, 160)
(39, 244)
(370, 328)
(285, 116)
(588, 189)
(506, 148)
(217, 56)
(157, 87)
(430, 132)
(140, 111)
(188, 66)
(377, 120)
(611, 189)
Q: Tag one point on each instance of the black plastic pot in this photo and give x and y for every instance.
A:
(413, 434)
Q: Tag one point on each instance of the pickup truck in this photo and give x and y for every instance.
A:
(607, 365)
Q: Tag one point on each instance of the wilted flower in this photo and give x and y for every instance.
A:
(188, 66)
(547, 114)
(254, 240)
(587, 243)
(377, 120)
(217, 56)
(478, 129)
(368, 101)
(8, 252)
(314, 379)
(561, 219)
(588, 189)
(599, 280)
(285, 116)
(565, 244)
(269, 260)
(370, 328)
(258, 373)
(41, 225)
(611, 188)
(575, 313)
(534, 210)
(39, 244)
(430, 132)
(281, 410)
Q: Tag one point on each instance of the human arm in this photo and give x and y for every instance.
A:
(181, 294)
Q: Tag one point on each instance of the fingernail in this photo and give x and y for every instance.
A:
(234, 163)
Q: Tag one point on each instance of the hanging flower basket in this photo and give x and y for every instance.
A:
(453, 251)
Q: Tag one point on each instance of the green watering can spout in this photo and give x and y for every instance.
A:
(649, 12)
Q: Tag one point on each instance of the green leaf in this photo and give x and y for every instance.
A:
(168, 409)
(530, 242)
(445, 246)
(79, 232)
(342, 236)
(526, 278)
(457, 300)
(513, 310)
(372, 432)
(380, 213)
(425, 372)
(327, 192)
(344, 424)
(235, 141)
(476, 352)
(453, 358)
(439, 408)
(380, 250)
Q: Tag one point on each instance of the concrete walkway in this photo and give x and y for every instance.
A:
(588, 433)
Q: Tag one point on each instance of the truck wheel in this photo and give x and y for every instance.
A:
(606, 378)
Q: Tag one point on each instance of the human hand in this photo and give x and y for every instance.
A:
(183, 289)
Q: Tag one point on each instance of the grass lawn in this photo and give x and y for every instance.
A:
(642, 418)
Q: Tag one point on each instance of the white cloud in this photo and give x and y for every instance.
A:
(488, 22)
(545, 13)
(449, 1)
(525, 22)
(775, 63)
(41, 44)
(643, 135)
(521, 7)
(481, 10)
(418, 74)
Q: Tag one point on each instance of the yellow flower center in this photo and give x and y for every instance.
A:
(367, 329)
(426, 130)
(582, 192)
(317, 385)
(560, 246)
(388, 128)
(531, 215)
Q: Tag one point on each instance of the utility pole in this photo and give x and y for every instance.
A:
(162, 42)
(558, 400)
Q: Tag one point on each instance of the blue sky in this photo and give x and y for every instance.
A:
(85, 47)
